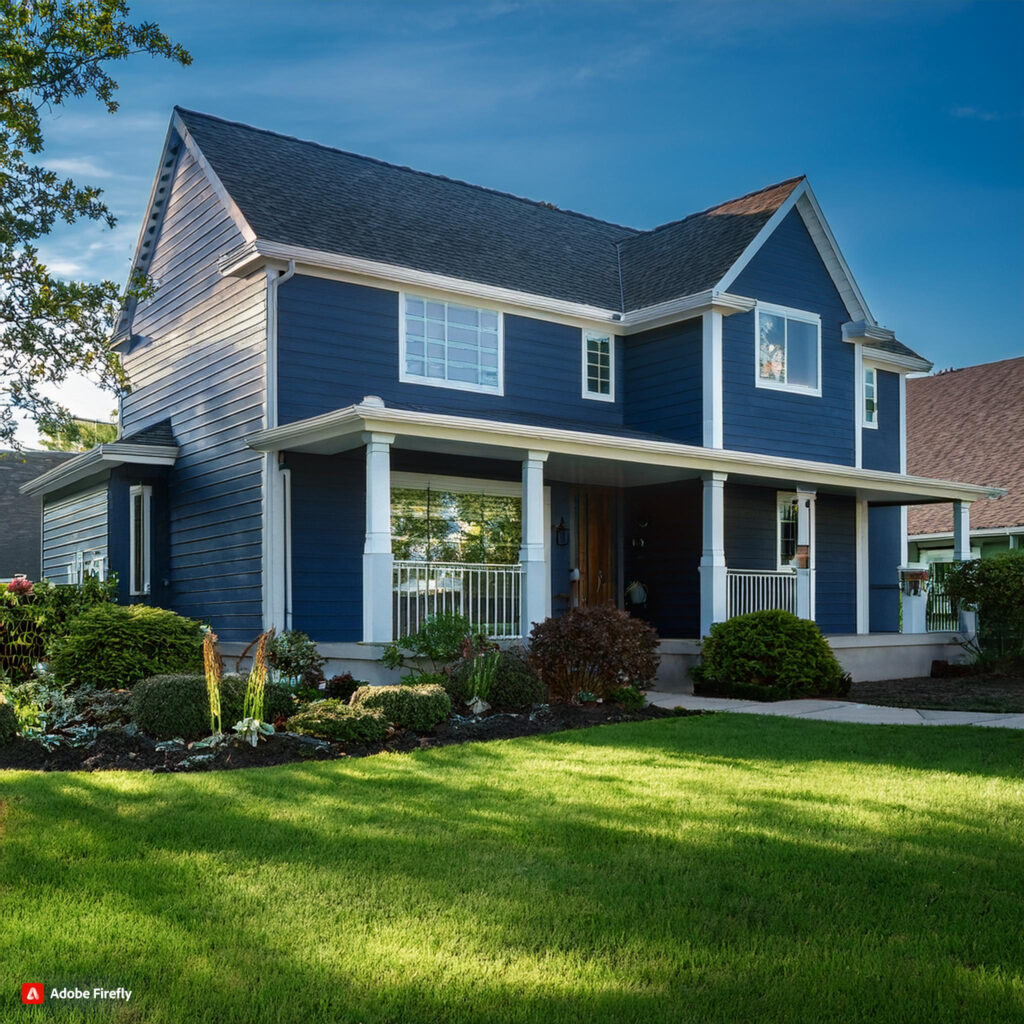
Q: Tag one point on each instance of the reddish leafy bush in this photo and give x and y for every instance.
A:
(596, 649)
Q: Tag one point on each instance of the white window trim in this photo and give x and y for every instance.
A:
(593, 396)
(452, 385)
(864, 397)
(138, 588)
(791, 314)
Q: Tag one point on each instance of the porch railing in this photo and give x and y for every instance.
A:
(748, 590)
(488, 595)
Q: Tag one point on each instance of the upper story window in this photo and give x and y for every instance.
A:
(140, 541)
(870, 397)
(598, 366)
(788, 349)
(451, 346)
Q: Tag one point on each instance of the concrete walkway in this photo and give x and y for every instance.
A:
(836, 711)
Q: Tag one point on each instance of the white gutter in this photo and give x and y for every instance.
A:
(98, 459)
(346, 426)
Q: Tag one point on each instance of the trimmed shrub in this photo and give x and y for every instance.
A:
(8, 723)
(769, 655)
(994, 587)
(628, 698)
(295, 656)
(419, 708)
(516, 683)
(340, 722)
(169, 706)
(341, 687)
(111, 647)
(595, 649)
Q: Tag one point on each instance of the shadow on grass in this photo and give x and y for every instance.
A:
(700, 869)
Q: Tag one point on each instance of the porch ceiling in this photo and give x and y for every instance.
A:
(575, 456)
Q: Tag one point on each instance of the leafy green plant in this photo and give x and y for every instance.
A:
(419, 708)
(515, 684)
(103, 707)
(994, 587)
(629, 698)
(113, 647)
(340, 722)
(293, 655)
(8, 723)
(341, 687)
(40, 706)
(256, 684)
(214, 670)
(769, 655)
(595, 648)
(439, 640)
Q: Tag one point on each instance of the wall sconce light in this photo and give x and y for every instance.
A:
(562, 533)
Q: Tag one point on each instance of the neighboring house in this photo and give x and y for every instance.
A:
(362, 393)
(19, 514)
(968, 424)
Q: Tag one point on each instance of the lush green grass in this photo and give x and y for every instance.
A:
(728, 868)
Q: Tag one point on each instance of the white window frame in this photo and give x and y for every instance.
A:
(139, 588)
(589, 334)
(801, 315)
(864, 421)
(454, 385)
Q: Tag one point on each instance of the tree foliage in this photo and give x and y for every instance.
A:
(77, 436)
(53, 51)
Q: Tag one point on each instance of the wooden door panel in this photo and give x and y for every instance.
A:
(595, 554)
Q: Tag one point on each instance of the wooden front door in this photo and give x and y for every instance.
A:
(595, 546)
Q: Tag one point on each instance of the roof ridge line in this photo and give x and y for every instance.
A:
(412, 170)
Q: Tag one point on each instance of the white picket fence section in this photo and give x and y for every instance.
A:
(748, 590)
(489, 595)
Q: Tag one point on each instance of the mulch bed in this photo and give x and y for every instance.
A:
(980, 692)
(126, 750)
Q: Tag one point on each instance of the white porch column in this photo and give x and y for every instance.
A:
(274, 542)
(962, 553)
(805, 554)
(378, 563)
(713, 601)
(531, 554)
(711, 337)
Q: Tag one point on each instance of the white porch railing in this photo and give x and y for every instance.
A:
(748, 590)
(488, 595)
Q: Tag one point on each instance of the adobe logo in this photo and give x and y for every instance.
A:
(32, 994)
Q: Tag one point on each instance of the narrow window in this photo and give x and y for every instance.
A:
(452, 346)
(140, 538)
(598, 366)
(787, 530)
(788, 350)
(870, 397)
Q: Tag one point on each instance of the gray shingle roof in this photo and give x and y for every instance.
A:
(155, 434)
(305, 194)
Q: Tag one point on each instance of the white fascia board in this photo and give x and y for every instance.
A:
(860, 332)
(105, 456)
(244, 259)
(346, 426)
(989, 531)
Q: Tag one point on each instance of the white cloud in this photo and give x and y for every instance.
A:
(82, 167)
(976, 114)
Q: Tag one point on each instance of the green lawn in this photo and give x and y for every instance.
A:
(728, 868)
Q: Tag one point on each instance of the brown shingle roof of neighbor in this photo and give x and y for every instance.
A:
(969, 425)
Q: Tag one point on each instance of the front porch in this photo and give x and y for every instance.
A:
(679, 535)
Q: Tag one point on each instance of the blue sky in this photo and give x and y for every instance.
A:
(908, 119)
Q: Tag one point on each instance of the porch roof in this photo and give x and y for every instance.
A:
(626, 459)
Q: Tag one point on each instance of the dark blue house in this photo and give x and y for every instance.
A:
(362, 393)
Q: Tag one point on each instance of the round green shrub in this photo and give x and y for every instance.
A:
(8, 723)
(340, 722)
(628, 698)
(170, 706)
(419, 708)
(769, 655)
(295, 656)
(278, 701)
(516, 683)
(112, 646)
(594, 649)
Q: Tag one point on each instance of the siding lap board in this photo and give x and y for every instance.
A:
(199, 359)
(75, 524)
(881, 444)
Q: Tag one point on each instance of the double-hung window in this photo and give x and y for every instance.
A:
(870, 397)
(598, 366)
(140, 538)
(451, 346)
(788, 349)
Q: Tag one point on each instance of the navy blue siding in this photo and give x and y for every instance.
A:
(751, 532)
(664, 383)
(788, 271)
(561, 557)
(338, 342)
(122, 480)
(835, 562)
(328, 527)
(881, 444)
(883, 561)
(74, 523)
(667, 520)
